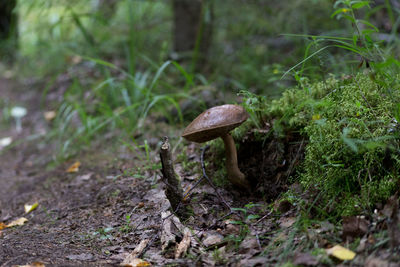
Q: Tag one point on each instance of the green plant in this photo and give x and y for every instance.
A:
(126, 227)
(104, 233)
(243, 223)
(362, 42)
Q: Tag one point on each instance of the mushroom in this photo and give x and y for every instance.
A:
(218, 122)
(18, 113)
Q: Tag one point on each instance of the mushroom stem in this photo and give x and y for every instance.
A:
(234, 174)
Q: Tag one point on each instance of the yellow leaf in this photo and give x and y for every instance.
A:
(2, 225)
(50, 115)
(35, 264)
(341, 253)
(136, 263)
(17, 222)
(74, 167)
(29, 208)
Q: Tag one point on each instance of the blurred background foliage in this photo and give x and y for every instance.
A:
(249, 48)
(112, 63)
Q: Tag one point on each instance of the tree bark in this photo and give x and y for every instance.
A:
(107, 8)
(8, 30)
(193, 21)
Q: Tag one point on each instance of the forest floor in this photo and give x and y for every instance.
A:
(102, 215)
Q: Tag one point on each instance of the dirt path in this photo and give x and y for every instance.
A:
(97, 216)
(114, 205)
(81, 218)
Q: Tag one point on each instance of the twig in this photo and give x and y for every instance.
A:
(208, 180)
(174, 189)
(258, 242)
(263, 217)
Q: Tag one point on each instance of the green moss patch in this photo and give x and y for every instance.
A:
(351, 131)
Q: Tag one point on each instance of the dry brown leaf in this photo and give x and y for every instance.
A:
(132, 257)
(249, 246)
(74, 167)
(376, 262)
(304, 259)
(76, 59)
(354, 226)
(183, 245)
(50, 115)
(171, 229)
(17, 222)
(286, 222)
(212, 239)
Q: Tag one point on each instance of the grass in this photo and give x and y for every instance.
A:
(116, 79)
(116, 73)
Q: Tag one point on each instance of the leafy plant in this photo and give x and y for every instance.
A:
(362, 42)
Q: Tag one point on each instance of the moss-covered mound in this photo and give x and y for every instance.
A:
(351, 157)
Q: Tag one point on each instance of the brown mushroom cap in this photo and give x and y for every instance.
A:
(215, 122)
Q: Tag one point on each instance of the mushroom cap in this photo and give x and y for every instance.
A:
(215, 122)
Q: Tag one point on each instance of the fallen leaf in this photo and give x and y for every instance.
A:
(376, 262)
(17, 222)
(212, 239)
(34, 264)
(132, 257)
(354, 226)
(76, 59)
(85, 176)
(49, 115)
(183, 245)
(81, 257)
(2, 225)
(286, 222)
(304, 259)
(168, 233)
(362, 245)
(232, 229)
(137, 263)
(248, 245)
(341, 253)
(257, 261)
(391, 211)
(74, 167)
(28, 208)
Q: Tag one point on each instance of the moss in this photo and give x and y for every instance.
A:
(347, 145)
(350, 126)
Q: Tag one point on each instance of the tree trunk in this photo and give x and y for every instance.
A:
(193, 30)
(8, 30)
(107, 8)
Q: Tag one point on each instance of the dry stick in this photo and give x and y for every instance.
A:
(174, 189)
(263, 217)
(167, 171)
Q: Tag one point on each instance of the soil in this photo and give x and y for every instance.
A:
(109, 209)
